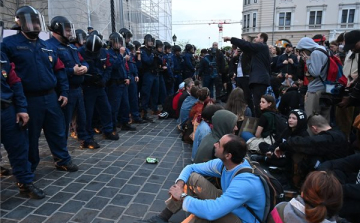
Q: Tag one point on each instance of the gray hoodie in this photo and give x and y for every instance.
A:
(315, 63)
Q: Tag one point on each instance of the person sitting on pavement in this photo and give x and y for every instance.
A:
(320, 201)
(347, 171)
(188, 85)
(188, 104)
(194, 194)
(224, 122)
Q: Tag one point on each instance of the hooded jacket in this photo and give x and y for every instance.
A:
(223, 123)
(315, 63)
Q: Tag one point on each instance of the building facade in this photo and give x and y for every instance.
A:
(139, 16)
(290, 20)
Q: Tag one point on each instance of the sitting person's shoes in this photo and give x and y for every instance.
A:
(111, 136)
(257, 158)
(70, 167)
(31, 190)
(155, 219)
(4, 171)
(89, 145)
(127, 127)
(163, 115)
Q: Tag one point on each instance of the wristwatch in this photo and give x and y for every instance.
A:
(183, 195)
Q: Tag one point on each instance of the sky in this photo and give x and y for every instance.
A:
(198, 35)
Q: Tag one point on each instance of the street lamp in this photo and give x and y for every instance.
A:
(174, 39)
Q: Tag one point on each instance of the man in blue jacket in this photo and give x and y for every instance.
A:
(41, 71)
(259, 78)
(194, 194)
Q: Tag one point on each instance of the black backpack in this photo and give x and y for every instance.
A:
(274, 192)
(280, 125)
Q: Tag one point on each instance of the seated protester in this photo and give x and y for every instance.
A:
(265, 125)
(326, 144)
(347, 171)
(290, 99)
(202, 94)
(224, 122)
(237, 105)
(204, 128)
(189, 102)
(176, 98)
(188, 85)
(320, 201)
(205, 202)
(197, 118)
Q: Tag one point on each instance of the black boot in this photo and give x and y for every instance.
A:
(31, 190)
(146, 118)
(127, 127)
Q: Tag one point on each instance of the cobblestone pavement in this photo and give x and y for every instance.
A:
(113, 184)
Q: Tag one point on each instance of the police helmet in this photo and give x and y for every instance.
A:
(167, 45)
(30, 20)
(127, 34)
(176, 48)
(137, 44)
(80, 36)
(93, 45)
(115, 40)
(148, 39)
(130, 46)
(188, 47)
(158, 43)
(62, 26)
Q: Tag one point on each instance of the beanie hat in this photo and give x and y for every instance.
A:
(351, 38)
(181, 85)
(301, 119)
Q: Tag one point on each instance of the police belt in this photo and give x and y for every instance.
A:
(39, 93)
(5, 103)
(115, 81)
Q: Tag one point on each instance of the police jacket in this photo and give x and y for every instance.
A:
(260, 60)
(99, 67)
(189, 62)
(287, 68)
(147, 60)
(37, 64)
(11, 87)
(133, 65)
(158, 61)
(118, 71)
(178, 60)
(70, 56)
(168, 60)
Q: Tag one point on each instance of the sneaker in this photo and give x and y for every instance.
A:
(89, 145)
(155, 219)
(4, 171)
(163, 115)
(111, 136)
(127, 127)
(70, 167)
(31, 190)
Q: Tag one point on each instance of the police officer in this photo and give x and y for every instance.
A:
(40, 70)
(178, 60)
(80, 39)
(168, 75)
(189, 62)
(14, 118)
(63, 32)
(94, 86)
(161, 69)
(117, 86)
(150, 84)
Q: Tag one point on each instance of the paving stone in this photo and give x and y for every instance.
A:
(74, 174)
(72, 206)
(110, 158)
(61, 197)
(35, 202)
(108, 192)
(74, 187)
(94, 171)
(137, 180)
(99, 220)
(162, 171)
(131, 168)
(129, 189)
(156, 179)
(137, 210)
(104, 178)
(11, 203)
(95, 186)
(59, 217)
(119, 163)
(151, 188)
(63, 181)
(47, 209)
(19, 212)
(124, 174)
(163, 194)
(51, 190)
(97, 203)
(55, 175)
(157, 206)
(129, 219)
(84, 195)
(112, 170)
(112, 212)
(144, 198)
(6, 194)
(8, 221)
(2, 213)
(85, 216)
(84, 178)
(143, 172)
(44, 182)
(33, 219)
(121, 200)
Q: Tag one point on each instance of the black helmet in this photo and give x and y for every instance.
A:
(194, 47)
(130, 46)
(115, 40)
(148, 39)
(188, 47)
(95, 32)
(125, 33)
(1, 30)
(80, 36)
(158, 43)
(176, 48)
(30, 20)
(93, 45)
(62, 26)
(137, 44)
(167, 45)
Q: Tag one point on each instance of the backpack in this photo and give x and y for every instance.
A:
(212, 65)
(335, 75)
(274, 192)
(279, 125)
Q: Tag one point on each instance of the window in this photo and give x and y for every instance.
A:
(246, 23)
(248, 2)
(1, 3)
(254, 20)
(284, 20)
(255, 1)
(347, 18)
(245, 1)
(315, 19)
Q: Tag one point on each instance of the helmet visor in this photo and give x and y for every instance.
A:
(30, 22)
(68, 31)
(116, 43)
(149, 41)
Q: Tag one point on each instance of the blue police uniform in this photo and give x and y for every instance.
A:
(206, 73)
(150, 82)
(162, 86)
(133, 91)
(169, 75)
(117, 90)
(188, 65)
(178, 61)
(94, 90)
(41, 71)
(69, 55)
(14, 139)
